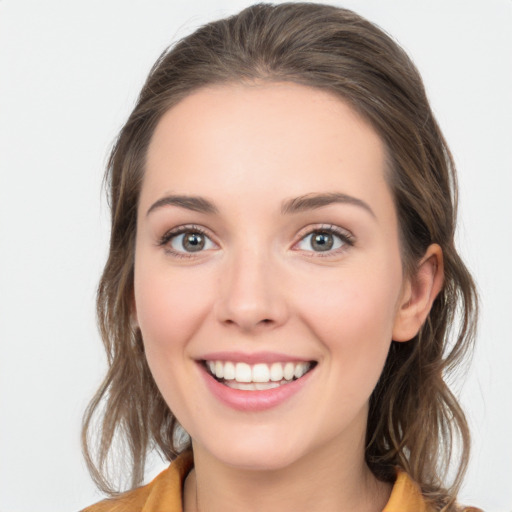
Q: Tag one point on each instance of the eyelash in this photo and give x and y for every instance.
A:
(169, 235)
(346, 238)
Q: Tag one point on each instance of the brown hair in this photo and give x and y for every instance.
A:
(415, 422)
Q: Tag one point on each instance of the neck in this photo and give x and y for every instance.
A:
(326, 479)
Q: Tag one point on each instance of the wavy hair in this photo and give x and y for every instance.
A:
(415, 422)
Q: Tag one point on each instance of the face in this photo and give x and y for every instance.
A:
(268, 274)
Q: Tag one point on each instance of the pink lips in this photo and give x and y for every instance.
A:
(243, 400)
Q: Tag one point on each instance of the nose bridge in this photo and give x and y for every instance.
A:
(251, 294)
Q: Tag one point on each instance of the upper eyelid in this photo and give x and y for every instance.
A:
(179, 230)
(302, 233)
(165, 241)
(332, 228)
(345, 235)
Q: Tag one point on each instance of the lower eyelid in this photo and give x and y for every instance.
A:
(180, 230)
(345, 237)
(337, 245)
(208, 241)
(167, 239)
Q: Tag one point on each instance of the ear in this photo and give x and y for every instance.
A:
(418, 295)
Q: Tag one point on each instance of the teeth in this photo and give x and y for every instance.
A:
(242, 372)
(251, 386)
(219, 369)
(260, 386)
(256, 377)
(260, 373)
(229, 371)
(300, 370)
(289, 370)
(276, 372)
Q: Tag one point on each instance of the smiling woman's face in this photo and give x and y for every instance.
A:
(267, 246)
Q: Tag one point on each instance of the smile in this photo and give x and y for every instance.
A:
(257, 377)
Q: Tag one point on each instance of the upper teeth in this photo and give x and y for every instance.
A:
(261, 372)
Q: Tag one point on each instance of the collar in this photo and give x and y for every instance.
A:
(166, 492)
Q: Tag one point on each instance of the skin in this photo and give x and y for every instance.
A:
(259, 285)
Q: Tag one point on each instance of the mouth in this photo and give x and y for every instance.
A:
(257, 377)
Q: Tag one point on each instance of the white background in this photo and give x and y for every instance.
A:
(69, 74)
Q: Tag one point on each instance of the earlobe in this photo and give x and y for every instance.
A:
(419, 293)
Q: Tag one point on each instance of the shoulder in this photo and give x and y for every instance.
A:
(128, 501)
(406, 496)
(165, 490)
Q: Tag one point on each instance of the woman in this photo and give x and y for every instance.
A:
(282, 275)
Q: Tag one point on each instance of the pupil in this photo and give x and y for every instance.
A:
(193, 242)
(322, 242)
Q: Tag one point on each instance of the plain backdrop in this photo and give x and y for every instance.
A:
(70, 71)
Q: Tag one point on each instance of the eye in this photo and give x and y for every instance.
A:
(324, 240)
(187, 240)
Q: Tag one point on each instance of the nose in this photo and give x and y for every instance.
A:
(252, 292)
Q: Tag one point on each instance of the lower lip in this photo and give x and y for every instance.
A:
(244, 400)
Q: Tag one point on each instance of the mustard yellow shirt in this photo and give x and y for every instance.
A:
(164, 493)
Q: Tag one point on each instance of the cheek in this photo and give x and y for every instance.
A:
(353, 317)
(354, 304)
(169, 306)
(170, 309)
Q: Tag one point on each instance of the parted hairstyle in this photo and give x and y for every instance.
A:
(415, 422)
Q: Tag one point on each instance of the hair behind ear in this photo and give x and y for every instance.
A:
(420, 291)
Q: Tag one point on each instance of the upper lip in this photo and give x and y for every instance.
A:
(253, 358)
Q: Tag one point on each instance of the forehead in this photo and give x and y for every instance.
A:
(263, 138)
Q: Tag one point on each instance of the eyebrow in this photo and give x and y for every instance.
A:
(313, 201)
(194, 203)
(295, 205)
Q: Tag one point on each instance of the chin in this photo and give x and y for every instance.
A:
(253, 461)
(254, 453)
